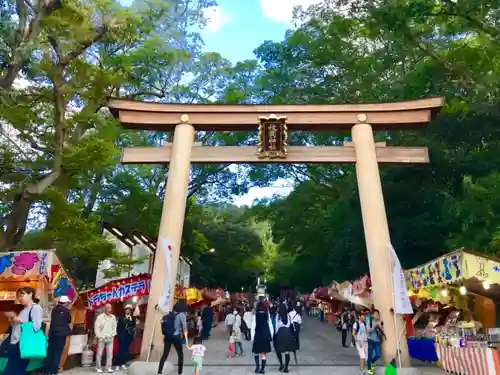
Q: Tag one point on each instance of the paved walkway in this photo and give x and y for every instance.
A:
(321, 354)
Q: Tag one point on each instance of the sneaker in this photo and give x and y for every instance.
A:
(109, 370)
(370, 371)
(117, 368)
(99, 371)
(124, 367)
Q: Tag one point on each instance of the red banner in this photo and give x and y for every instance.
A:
(119, 290)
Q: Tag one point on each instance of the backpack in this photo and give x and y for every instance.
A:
(340, 323)
(244, 326)
(168, 325)
(356, 326)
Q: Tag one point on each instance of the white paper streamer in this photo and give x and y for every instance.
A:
(167, 248)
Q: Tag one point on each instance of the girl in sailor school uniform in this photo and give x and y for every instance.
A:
(262, 335)
(284, 340)
(295, 315)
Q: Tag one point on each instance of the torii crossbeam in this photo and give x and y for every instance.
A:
(273, 123)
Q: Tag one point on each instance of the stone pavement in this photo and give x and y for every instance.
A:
(321, 353)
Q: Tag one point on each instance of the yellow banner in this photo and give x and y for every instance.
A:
(444, 270)
(193, 295)
(481, 268)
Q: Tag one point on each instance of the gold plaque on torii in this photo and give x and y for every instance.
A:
(273, 137)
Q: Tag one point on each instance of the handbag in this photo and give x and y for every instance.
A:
(5, 347)
(32, 345)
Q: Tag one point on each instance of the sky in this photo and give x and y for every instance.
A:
(235, 29)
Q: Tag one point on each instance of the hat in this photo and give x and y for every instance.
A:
(129, 307)
(64, 299)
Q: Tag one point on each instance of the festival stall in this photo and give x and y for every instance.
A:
(358, 292)
(119, 293)
(41, 270)
(454, 296)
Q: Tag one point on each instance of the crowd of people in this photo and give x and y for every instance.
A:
(366, 331)
(51, 341)
(267, 324)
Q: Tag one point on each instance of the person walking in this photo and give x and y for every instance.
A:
(321, 312)
(273, 311)
(126, 331)
(284, 340)
(261, 334)
(60, 329)
(360, 336)
(247, 318)
(197, 353)
(207, 317)
(199, 325)
(174, 329)
(105, 331)
(237, 332)
(31, 312)
(352, 321)
(344, 326)
(296, 319)
(375, 336)
(229, 322)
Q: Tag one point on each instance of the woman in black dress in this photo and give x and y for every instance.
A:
(284, 341)
(262, 335)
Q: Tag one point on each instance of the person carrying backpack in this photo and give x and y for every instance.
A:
(174, 330)
(360, 336)
(375, 337)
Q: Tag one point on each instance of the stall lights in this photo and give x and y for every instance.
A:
(444, 292)
(486, 285)
(463, 290)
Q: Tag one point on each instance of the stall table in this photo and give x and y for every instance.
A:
(468, 360)
(422, 349)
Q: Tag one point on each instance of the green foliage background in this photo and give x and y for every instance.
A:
(59, 147)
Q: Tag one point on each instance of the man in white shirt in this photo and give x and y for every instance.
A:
(360, 336)
(105, 332)
(229, 322)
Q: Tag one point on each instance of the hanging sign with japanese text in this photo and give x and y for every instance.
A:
(119, 290)
(273, 137)
(24, 264)
(444, 270)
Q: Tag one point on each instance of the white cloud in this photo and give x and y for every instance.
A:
(216, 19)
(280, 187)
(21, 83)
(282, 10)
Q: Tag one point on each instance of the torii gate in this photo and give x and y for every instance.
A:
(273, 123)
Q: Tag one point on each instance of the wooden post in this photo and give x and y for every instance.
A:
(377, 237)
(171, 225)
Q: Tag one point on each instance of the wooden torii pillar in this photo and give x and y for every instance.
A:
(273, 122)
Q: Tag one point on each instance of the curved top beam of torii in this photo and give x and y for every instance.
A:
(245, 117)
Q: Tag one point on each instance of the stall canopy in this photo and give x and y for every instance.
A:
(40, 269)
(478, 273)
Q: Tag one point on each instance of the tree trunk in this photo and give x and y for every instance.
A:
(16, 223)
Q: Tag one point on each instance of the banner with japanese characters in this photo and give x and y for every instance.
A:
(24, 265)
(119, 290)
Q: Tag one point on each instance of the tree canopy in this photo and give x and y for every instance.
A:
(369, 51)
(59, 147)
